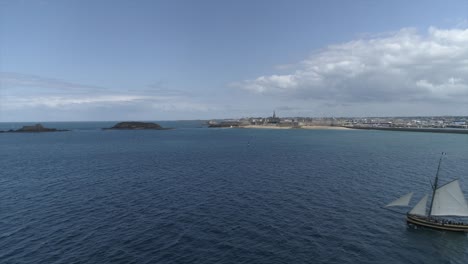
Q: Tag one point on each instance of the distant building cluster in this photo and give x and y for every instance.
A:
(409, 122)
(396, 122)
(274, 120)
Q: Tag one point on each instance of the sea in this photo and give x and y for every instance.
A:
(210, 195)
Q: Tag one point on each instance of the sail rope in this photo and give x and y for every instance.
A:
(394, 211)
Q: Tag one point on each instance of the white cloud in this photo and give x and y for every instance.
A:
(404, 66)
(12, 80)
(274, 82)
(58, 101)
(163, 103)
(46, 98)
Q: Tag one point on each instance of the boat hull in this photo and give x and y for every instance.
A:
(425, 222)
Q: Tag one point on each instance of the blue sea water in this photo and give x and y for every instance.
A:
(200, 195)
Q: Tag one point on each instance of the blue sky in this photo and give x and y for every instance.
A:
(165, 60)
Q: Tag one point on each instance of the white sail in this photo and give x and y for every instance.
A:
(420, 208)
(449, 200)
(402, 201)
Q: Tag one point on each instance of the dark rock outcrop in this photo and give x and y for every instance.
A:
(136, 126)
(34, 129)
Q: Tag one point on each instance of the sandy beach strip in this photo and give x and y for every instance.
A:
(302, 127)
(265, 127)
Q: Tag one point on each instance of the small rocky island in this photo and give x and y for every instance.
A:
(34, 129)
(136, 126)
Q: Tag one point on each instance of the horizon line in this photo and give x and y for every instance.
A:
(206, 119)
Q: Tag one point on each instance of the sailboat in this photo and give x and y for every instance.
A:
(447, 201)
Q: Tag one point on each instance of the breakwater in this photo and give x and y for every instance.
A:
(411, 129)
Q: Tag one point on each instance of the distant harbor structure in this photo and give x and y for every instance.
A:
(273, 119)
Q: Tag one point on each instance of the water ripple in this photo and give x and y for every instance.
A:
(206, 196)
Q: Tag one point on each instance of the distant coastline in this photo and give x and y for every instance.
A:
(403, 129)
(295, 127)
(431, 124)
(325, 127)
(412, 129)
(413, 125)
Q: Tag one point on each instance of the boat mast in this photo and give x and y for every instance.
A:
(434, 187)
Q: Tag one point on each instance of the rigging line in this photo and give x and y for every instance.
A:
(432, 185)
(435, 184)
(430, 181)
(392, 210)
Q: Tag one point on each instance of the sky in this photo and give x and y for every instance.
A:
(102, 60)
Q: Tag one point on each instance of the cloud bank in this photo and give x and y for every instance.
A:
(400, 67)
(30, 97)
(13, 80)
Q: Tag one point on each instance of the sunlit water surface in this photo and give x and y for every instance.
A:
(199, 195)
